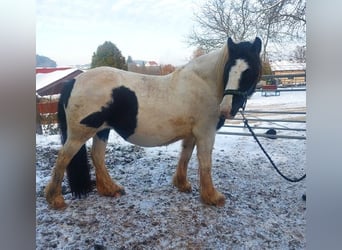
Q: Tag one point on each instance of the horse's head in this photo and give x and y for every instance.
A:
(241, 74)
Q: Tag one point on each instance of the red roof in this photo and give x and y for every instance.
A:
(49, 70)
(152, 63)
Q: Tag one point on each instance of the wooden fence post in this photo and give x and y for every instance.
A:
(39, 129)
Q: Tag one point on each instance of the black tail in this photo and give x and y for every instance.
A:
(78, 170)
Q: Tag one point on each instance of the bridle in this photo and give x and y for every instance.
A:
(235, 92)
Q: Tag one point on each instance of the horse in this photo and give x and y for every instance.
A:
(189, 104)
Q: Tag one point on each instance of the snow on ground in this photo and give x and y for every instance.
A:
(262, 210)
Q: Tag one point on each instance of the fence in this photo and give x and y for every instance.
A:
(294, 124)
(46, 113)
(277, 122)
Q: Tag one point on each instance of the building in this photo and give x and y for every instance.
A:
(293, 72)
(49, 81)
(144, 67)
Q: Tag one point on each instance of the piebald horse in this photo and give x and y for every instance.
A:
(189, 104)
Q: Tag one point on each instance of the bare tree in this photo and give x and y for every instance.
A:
(280, 21)
(274, 21)
(217, 20)
(299, 54)
(197, 52)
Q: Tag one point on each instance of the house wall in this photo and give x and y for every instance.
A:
(291, 80)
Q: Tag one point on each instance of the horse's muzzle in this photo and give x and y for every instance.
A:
(227, 114)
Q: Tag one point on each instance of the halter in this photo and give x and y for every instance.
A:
(235, 92)
(238, 93)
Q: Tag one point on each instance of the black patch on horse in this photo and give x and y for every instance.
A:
(120, 113)
(103, 134)
(220, 123)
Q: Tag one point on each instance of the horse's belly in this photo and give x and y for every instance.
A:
(152, 140)
(157, 132)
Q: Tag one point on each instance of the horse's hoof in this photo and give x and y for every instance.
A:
(221, 200)
(54, 198)
(217, 199)
(119, 193)
(58, 203)
(112, 191)
(184, 187)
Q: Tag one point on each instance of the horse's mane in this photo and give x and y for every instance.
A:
(221, 62)
(212, 63)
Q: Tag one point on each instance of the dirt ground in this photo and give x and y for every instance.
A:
(262, 210)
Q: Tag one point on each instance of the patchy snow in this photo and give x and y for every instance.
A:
(262, 210)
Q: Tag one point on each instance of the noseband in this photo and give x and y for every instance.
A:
(235, 92)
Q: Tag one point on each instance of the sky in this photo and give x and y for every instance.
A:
(69, 32)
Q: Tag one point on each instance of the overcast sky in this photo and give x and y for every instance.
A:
(70, 31)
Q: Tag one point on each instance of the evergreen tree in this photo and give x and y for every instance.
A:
(108, 54)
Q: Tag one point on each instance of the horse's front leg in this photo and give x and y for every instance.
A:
(209, 194)
(180, 177)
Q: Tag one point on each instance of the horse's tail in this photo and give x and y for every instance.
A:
(78, 170)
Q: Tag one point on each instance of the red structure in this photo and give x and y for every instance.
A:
(49, 70)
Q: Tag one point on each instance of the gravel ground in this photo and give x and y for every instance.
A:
(262, 210)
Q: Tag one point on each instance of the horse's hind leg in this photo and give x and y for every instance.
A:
(180, 177)
(53, 191)
(104, 184)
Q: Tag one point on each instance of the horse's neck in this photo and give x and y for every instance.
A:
(210, 66)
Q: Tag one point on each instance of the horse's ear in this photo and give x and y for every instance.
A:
(230, 43)
(256, 47)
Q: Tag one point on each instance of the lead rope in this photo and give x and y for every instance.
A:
(262, 148)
